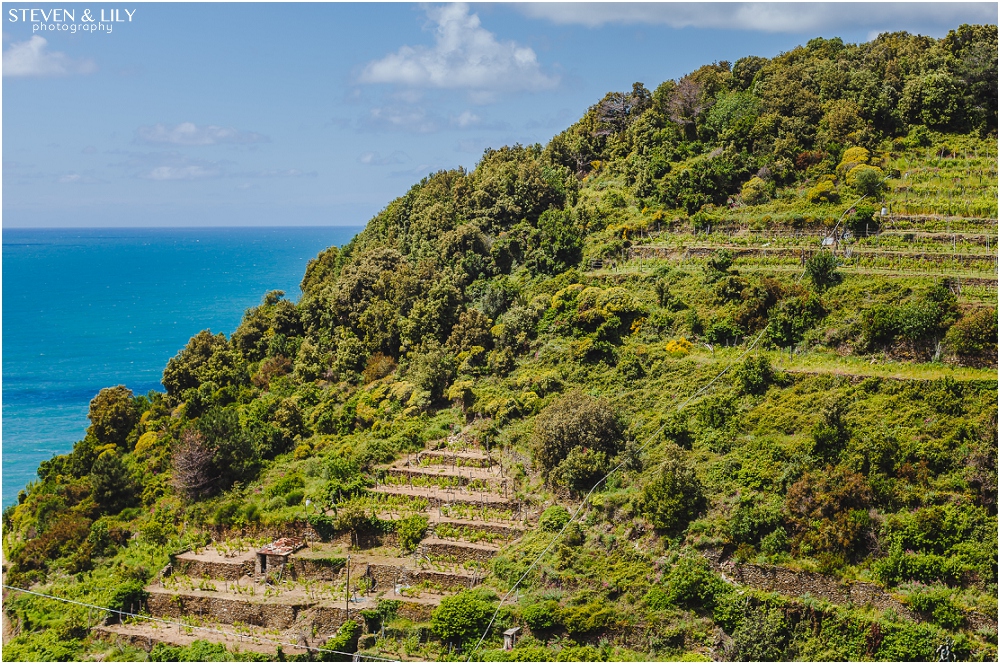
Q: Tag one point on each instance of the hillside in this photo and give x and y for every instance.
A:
(711, 375)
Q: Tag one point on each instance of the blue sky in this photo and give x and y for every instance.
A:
(319, 114)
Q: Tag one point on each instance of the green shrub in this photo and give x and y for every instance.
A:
(112, 484)
(226, 513)
(554, 518)
(657, 599)
(830, 434)
(862, 221)
(791, 318)
(754, 191)
(724, 332)
(674, 496)
(754, 375)
(919, 321)
(691, 583)
(251, 513)
(325, 526)
(906, 641)
(718, 264)
(463, 616)
(775, 542)
(974, 337)
(575, 421)
(344, 641)
(542, 616)
(936, 603)
(198, 651)
(821, 268)
(754, 518)
(580, 470)
(410, 531)
(286, 484)
(762, 636)
(866, 180)
(822, 192)
(294, 497)
(128, 597)
(590, 617)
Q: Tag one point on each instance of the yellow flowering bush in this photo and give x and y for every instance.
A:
(679, 347)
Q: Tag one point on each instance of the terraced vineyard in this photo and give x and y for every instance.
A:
(220, 594)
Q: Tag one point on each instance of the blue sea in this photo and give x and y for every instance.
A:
(89, 308)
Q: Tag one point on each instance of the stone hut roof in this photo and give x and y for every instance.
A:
(282, 546)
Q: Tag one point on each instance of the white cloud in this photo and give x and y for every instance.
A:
(402, 118)
(466, 119)
(935, 17)
(188, 133)
(32, 58)
(189, 172)
(277, 173)
(76, 178)
(464, 56)
(375, 159)
(470, 120)
(164, 166)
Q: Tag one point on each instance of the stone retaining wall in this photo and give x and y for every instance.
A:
(509, 532)
(328, 618)
(416, 612)
(443, 458)
(197, 569)
(300, 529)
(313, 569)
(222, 609)
(461, 553)
(495, 501)
(796, 584)
(446, 581)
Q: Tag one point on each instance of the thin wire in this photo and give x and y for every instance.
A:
(185, 625)
(648, 442)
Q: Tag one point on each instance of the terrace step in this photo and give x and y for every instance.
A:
(146, 634)
(674, 252)
(388, 573)
(292, 608)
(273, 612)
(443, 478)
(460, 551)
(455, 458)
(464, 474)
(437, 497)
(212, 564)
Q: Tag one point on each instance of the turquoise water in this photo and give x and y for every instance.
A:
(85, 309)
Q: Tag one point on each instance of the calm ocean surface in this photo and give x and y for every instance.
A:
(89, 308)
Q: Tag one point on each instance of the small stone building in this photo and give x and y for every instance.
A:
(275, 555)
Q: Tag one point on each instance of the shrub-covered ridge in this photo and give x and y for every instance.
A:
(557, 304)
